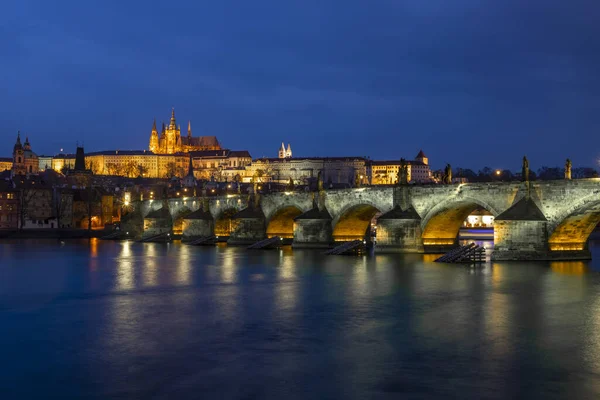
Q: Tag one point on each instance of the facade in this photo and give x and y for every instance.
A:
(6, 163)
(61, 162)
(44, 162)
(221, 165)
(386, 172)
(170, 140)
(137, 163)
(334, 170)
(9, 206)
(25, 161)
(38, 210)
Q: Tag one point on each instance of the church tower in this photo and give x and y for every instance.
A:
(172, 136)
(153, 139)
(282, 151)
(285, 153)
(422, 158)
(18, 158)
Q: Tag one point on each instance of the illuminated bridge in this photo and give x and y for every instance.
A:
(536, 220)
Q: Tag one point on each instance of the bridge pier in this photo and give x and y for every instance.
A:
(250, 227)
(399, 231)
(157, 222)
(312, 229)
(520, 233)
(199, 224)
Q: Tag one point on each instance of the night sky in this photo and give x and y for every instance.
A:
(471, 82)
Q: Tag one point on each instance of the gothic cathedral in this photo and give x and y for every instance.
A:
(170, 140)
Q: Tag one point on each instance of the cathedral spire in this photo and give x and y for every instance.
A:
(154, 126)
(173, 123)
(189, 128)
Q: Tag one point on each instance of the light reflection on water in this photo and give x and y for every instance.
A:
(126, 319)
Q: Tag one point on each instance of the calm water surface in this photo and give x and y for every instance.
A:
(100, 320)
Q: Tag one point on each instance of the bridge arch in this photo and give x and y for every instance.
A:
(441, 224)
(177, 218)
(353, 221)
(570, 230)
(281, 222)
(224, 222)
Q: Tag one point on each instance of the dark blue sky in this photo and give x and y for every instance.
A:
(472, 82)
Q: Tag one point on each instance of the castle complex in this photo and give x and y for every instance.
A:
(170, 140)
(169, 155)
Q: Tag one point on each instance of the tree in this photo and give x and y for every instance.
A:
(466, 173)
(115, 169)
(546, 173)
(485, 174)
(63, 206)
(141, 170)
(131, 169)
(584, 172)
(171, 170)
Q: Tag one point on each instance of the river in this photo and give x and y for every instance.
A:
(100, 320)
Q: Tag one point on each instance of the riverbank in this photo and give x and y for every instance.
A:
(52, 233)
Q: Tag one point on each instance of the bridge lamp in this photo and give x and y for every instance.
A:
(126, 203)
(498, 172)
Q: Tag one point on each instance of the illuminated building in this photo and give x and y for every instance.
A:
(386, 172)
(480, 218)
(221, 165)
(334, 170)
(44, 162)
(170, 140)
(285, 153)
(6, 163)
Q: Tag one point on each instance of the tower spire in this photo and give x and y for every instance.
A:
(154, 125)
(189, 128)
(173, 123)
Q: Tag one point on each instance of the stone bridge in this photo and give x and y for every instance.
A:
(535, 220)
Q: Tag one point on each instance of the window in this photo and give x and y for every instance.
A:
(10, 195)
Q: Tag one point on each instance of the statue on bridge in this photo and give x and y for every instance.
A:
(319, 181)
(447, 179)
(568, 167)
(403, 172)
(525, 170)
(290, 186)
